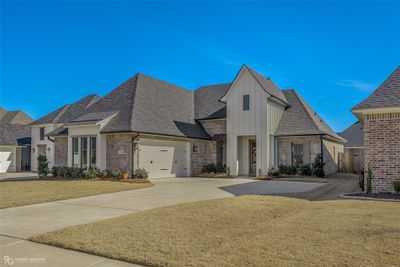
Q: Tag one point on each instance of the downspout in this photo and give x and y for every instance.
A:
(48, 137)
(133, 153)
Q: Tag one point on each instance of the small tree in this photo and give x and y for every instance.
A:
(396, 186)
(43, 166)
(370, 176)
(318, 166)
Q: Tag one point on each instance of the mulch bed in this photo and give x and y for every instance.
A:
(377, 196)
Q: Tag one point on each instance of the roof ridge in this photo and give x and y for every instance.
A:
(132, 106)
(64, 109)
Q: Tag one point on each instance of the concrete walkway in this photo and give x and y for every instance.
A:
(19, 223)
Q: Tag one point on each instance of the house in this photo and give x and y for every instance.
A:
(249, 125)
(380, 116)
(353, 157)
(14, 141)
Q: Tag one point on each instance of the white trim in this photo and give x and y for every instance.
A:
(377, 110)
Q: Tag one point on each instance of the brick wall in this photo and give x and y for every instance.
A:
(61, 151)
(119, 152)
(312, 146)
(206, 154)
(331, 156)
(213, 127)
(382, 149)
(18, 159)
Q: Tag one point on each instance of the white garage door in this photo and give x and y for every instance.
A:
(7, 156)
(164, 159)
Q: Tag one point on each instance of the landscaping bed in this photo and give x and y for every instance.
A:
(245, 231)
(19, 193)
(387, 196)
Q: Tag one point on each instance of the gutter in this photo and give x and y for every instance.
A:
(133, 154)
(48, 137)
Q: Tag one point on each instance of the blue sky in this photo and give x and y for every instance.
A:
(333, 53)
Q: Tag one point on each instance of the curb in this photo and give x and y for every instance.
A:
(368, 198)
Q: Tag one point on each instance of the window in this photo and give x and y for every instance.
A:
(92, 161)
(246, 102)
(195, 149)
(41, 130)
(297, 154)
(75, 152)
(84, 152)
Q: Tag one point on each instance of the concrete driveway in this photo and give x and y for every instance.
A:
(19, 223)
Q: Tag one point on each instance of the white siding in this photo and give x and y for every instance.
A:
(260, 121)
(7, 158)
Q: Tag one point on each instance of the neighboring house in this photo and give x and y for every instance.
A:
(353, 157)
(380, 115)
(248, 125)
(14, 141)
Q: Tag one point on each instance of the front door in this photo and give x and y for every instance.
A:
(253, 157)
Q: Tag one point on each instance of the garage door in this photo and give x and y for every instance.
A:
(7, 156)
(164, 159)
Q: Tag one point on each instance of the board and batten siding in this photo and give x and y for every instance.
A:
(274, 114)
(252, 122)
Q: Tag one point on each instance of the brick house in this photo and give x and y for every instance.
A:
(248, 125)
(380, 115)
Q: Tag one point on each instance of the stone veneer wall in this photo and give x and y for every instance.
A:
(213, 127)
(312, 146)
(206, 154)
(61, 151)
(382, 149)
(119, 152)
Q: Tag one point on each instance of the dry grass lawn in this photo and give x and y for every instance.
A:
(14, 194)
(246, 231)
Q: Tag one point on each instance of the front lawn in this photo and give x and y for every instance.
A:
(14, 194)
(245, 231)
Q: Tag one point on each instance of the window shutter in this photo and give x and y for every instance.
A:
(306, 155)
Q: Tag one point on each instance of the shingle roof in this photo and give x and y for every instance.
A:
(268, 85)
(387, 95)
(206, 101)
(148, 105)
(301, 119)
(354, 135)
(91, 118)
(69, 111)
(14, 128)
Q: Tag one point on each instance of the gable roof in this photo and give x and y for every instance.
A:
(354, 134)
(301, 119)
(206, 101)
(14, 117)
(387, 95)
(14, 127)
(69, 111)
(148, 105)
(266, 84)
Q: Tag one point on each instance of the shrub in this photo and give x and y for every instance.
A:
(274, 172)
(209, 168)
(94, 172)
(43, 166)
(260, 173)
(113, 173)
(370, 176)
(55, 171)
(317, 166)
(140, 173)
(287, 169)
(396, 186)
(78, 173)
(305, 170)
(220, 168)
